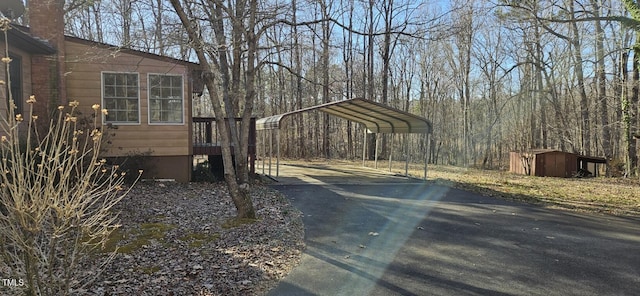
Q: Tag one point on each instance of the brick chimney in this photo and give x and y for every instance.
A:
(46, 21)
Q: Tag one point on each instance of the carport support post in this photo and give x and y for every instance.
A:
(391, 151)
(364, 147)
(427, 148)
(264, 149)
(376, 158)
(270, 149)
(278, 152)
(406, 163)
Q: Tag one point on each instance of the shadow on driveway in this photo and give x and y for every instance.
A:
(426, 239)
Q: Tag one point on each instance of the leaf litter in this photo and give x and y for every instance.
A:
(190, 252)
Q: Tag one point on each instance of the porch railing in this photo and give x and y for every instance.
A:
(206, 140)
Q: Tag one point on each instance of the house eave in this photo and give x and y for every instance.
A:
(20, 39)
(126, 50)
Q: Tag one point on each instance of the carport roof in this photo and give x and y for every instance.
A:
(378, 118)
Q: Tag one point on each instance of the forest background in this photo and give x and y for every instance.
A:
(492, 76)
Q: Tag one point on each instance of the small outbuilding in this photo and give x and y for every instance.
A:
(554, 163)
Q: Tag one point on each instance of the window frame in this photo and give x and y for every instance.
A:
(104, 105)
(182, 98)
(16, 86)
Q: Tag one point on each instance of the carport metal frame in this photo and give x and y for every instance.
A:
(376, 117)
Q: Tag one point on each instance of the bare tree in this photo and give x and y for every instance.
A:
(325, 10)
(490, 57)
(242, 16)
(602, 80)
(460, 61)
(297, 80)
(630, 103)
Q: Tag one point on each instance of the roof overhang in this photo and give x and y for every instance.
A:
(377, 118)
(591, 159)
(24, 41)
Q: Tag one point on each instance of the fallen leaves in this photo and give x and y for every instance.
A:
(197, 255)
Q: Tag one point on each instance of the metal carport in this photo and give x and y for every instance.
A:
(376, 117)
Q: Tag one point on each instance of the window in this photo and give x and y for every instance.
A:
(120, 97)
(165, 99)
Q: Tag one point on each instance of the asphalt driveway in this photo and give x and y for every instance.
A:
(409, 237)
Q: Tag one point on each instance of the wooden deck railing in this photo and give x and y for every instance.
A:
(206, 139)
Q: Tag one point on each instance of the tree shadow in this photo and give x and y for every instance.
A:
(438, 240)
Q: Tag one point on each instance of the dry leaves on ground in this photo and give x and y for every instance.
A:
(181, 239)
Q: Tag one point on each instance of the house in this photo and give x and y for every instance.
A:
(553, 163)
(148, 97)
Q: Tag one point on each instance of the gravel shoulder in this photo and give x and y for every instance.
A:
(176, 239)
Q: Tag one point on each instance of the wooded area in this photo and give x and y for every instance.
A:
(492, 76)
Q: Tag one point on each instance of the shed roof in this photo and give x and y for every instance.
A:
(586, 158)
(378, 118)
(543, 151)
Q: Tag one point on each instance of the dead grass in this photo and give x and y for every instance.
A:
(619, 196)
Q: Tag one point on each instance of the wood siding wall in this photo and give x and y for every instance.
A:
(545, 164)
(515, 163)
(555, 164)
(85, 64)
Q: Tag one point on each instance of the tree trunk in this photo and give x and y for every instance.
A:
(561, 133)
(250, 94)
(326, 35)
(239, 194)
(386, 57)
(348, 59)
(602, 81)
(298, 81)
(126, 23)
(585, 125)
(465, 63)
(630, 104)
(618, 89)
(631, 113)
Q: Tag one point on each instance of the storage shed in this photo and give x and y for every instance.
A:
(553, 163)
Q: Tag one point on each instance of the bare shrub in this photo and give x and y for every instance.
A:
(56, 199)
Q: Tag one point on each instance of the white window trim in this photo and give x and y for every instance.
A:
(184, 116)
(104, 117)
